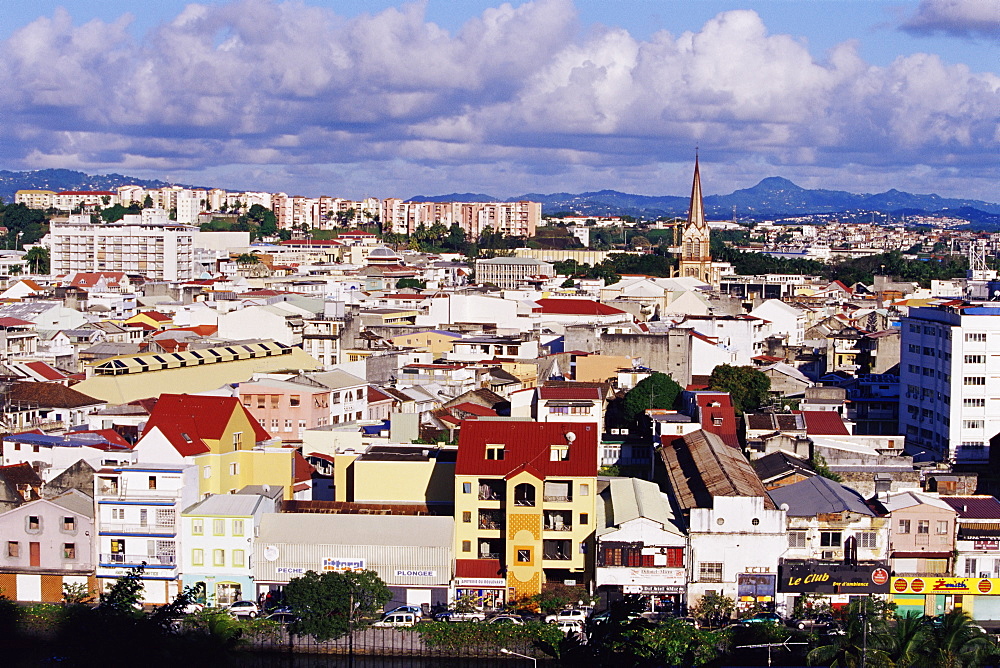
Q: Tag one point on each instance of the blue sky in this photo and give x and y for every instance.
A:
(371, 97)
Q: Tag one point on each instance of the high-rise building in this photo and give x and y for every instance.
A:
(950, 381)
(148, 244)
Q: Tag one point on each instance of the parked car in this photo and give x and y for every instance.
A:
(282, 617)
(762, 618)
(569, 614)
(507, 619)
(570, 626)
(397, 620)
(243, 609)
(455, 616)
(690, 621)
(822, 622)
(415, 609)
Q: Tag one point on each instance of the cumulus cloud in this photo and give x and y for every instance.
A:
(518, 94)
(956, 17)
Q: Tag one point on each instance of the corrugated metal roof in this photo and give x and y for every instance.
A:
(527, 444)
(978, 507)
(226, 505)
(816, 495)
(631, 498)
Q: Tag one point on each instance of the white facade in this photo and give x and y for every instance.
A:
(148, 244)
(950, 382)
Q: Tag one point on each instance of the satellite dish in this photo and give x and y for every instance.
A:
(271, 553)
(783, 506)
(570, 437)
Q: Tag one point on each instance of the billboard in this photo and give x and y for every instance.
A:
(833, 578)
(755, 586)
(933, 585)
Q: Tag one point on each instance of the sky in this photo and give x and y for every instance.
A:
(357, 98)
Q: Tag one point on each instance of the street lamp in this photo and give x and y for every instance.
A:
(504, 650)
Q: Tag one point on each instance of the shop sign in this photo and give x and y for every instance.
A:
(652, 589)
(833, 578)
(338, 564)
(755, 585)
(480, 582)
(930, 585)
(288, 570)
(400, 573)
(987, 544)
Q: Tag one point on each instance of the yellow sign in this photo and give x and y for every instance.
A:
(933, 585)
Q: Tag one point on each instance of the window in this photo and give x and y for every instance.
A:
(219, 527)
(975, 359)
(234, 468)
(261, 399)
(524, 556)
(923, 526)
(237, 527)
(796, 539)
(942, 527)
(288, 425)
(34, 523)
(197, 526)
(206, 472)
(152, 482)
(972, 424)
(466, 488)
(977, 402)
(69, 550)
(302, 424)
(274, 400)
(218, 557)
(198, 557)
(466, 546)
(559, 453)
(903, 526)
(584, 489)
(165, 517)
(239, 559)
(13, 549)
(69, 524)
(295, 400)
(829, 538)
(275, 424)
(494, 452)
(974, 380)
(710, 571)
(975, 337)
(335, 397)
(868, 540)
(466, 516)
(584, 518)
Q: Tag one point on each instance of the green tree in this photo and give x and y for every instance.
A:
(908, 641)
(248, 258)
(749, 388)
(37, 258)
(955, 641)
(410, 283)
(560, 596)
(331, 604)
(866, 640)
(713, 609)
(657, 390)
(147, 203)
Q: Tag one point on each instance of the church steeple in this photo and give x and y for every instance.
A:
(696, 210)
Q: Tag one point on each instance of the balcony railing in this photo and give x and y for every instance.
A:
(490, 524)
(489, 555)
(557, 499)
(556, 556)
(558, 527)
(120, 527)
(160, 561)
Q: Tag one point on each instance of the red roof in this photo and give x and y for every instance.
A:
(718, 416)
(824, 423)
(569, 393)
(88, 279)
(974, 507)
(575, 307)
(156, 315)
(45, 371)
(110, 435)
(87, 192)
(8, 321)
(302, 468)
(527, 446)
(478, 568)
(187, 419)
(374, 394)
(474, 409)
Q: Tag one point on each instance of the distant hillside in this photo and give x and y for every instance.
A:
(454, 197)
(67, 179)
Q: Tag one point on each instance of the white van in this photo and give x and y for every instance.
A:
(397, 620)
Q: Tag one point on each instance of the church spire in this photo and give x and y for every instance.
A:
(696, 211)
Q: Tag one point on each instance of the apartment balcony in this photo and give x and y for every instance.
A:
(491, 520)
(560, 520)
(557, 550)
(159, 561)
(116, 528)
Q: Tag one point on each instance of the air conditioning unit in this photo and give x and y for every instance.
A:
(986, 575)
(831, 554)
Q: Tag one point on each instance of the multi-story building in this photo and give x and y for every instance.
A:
(524, 507)
(147, 244)
(34, 199)
(950, 381)
(509, 272)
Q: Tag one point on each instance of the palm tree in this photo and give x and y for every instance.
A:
(908, 641)
(954, 641)
(865, 640)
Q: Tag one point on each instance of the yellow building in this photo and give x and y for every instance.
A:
(435, 341)
(524, 507)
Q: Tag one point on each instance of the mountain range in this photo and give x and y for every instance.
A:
(772, 197)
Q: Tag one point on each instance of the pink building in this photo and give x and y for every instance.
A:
(286, 409)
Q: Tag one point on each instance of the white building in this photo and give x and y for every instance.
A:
(147, 244)
(950, 381)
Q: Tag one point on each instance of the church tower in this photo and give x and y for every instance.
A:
(696, 258)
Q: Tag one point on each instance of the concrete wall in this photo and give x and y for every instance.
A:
(669, 353)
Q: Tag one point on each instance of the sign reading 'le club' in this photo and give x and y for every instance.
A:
(976, 586)
(834, 578)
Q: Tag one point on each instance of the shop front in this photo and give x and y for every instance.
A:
(980, 597)
(756, 591)
(663, 589)
(836, 581)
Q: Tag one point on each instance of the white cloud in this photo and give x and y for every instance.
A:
(277, 87)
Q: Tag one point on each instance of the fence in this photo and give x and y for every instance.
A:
(393, 642)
